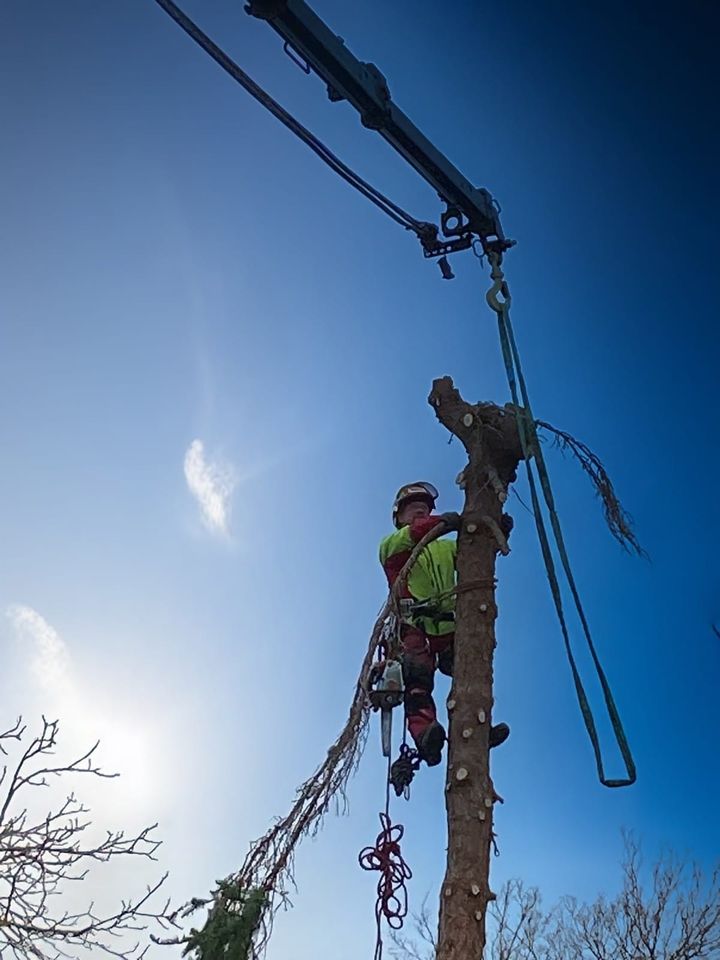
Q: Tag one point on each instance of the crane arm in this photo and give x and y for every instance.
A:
(470, 210)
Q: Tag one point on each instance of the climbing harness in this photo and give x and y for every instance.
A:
(499, 299)
(430, 610)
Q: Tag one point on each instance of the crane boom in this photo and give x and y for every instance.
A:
(470, 210)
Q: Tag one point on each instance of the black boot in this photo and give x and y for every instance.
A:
(498, 734)
(431, 743)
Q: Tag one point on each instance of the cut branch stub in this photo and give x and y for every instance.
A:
(496, 426)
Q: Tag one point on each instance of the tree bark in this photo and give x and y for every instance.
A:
(490, 437)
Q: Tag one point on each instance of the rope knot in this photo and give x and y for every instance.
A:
(385, 857)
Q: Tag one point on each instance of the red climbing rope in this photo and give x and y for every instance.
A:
(386, 857)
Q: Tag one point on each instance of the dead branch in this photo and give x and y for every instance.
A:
(618, 520)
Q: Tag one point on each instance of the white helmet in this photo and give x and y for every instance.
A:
(414, 491)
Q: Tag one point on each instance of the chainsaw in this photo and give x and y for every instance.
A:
(386, 694)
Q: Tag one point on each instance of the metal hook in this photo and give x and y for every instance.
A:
(499, 287)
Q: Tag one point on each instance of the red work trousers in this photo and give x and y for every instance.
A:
(420, 652)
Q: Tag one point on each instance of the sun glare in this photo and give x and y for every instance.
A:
(126, 749)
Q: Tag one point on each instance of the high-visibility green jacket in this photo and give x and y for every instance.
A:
(432, 574)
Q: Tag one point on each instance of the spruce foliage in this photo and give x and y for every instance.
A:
(230, 925)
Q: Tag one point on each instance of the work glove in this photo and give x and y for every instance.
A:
(450, 519)
(506, 524)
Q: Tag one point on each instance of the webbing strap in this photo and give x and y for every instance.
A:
(531, 450)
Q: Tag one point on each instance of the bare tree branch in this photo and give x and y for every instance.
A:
(405, 948)
(39, 856)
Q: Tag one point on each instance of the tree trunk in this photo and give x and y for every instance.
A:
(489, 434)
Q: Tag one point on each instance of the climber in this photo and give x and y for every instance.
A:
(427, 629)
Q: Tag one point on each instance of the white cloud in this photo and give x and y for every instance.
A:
(212, 484)
(49, 660)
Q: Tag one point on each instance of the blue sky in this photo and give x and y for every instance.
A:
(177, 269)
